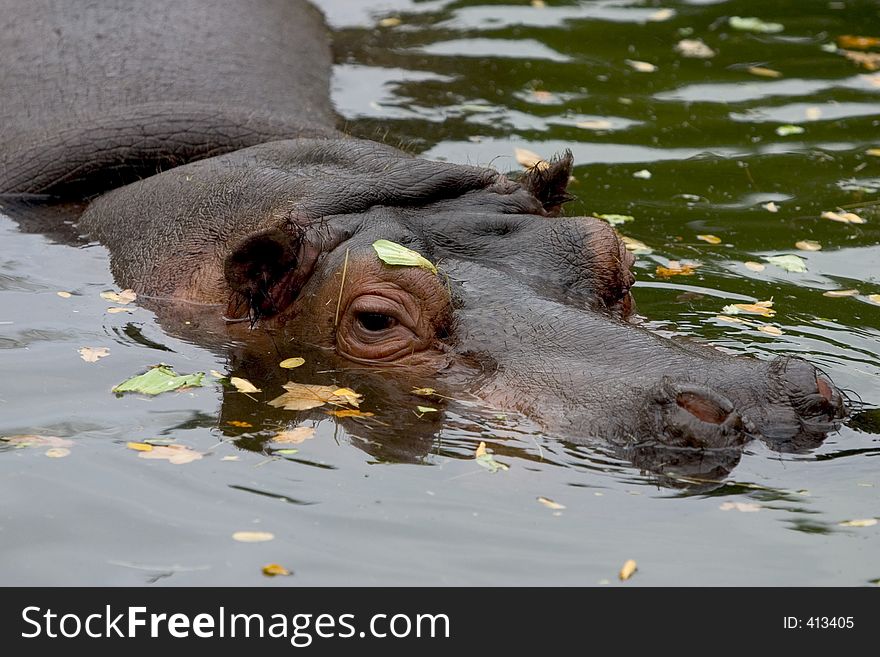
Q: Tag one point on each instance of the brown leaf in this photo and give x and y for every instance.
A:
(303, 396)
(808, 245)
(93, 354)
(870, 61)
(57, 452)
(176, 454)
(36, 441)
(293, 436)
(122, 298)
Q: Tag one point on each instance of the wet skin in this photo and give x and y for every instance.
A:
(261, 205)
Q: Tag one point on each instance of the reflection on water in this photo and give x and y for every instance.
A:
(398, 497)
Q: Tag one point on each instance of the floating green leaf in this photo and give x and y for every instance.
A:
(484, 458)
(754, 24)
(615, 219)
(789, 129)
(159, 379)
(792, 263)
(392, 253)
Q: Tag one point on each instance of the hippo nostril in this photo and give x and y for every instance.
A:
(710, 408)
(825, 388)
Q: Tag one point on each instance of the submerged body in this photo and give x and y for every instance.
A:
(235, 194)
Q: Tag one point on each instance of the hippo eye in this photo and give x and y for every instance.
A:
(375, 322)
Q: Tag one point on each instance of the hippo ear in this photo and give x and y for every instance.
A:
(259, 271)
(547, 183)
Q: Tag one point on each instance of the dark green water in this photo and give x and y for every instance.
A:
(470, 82)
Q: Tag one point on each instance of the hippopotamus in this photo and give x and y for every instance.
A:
(201, 137)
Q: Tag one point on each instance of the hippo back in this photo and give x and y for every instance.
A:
(98, 93)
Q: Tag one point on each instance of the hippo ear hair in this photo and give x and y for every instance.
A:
(257, 270)
(548, 180)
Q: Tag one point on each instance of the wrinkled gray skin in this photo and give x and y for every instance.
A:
(261, 198)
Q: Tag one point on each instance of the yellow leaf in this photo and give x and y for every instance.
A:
(711, 239)
(808, 245)
(239, 423)
(660, 15)
(635, 246)
(813, 113)
(763, 308)
(861, 522)
(755, 309)
(176, 454)
(729, 320)
(840, 293)
(57, 452)
(629, 568)
(694, 48)
(843, 217)
(530, 159)
(301, 397)
(243, 385)
(64, 295)
(870, 61)
(124, 297)
(875, 298)
(771, 330)
(744, 507)
(675, 268)
(541, 96)
(481, 450)
(550, 504)
(274, 570)
(874, 152)
(113, 310)
(771, 207)
(253, 537)
(391, 21)
(423, 392)
(596, 124)
(857, 42)
(93, 354)
(764, 72)
(229, 458)
(538, 4)
(140, 447)
(293, 436)
(641, 67)
(755, 266)
(218, 375)
(349, 412)
(291, 363)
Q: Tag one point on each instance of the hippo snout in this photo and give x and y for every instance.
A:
(787, 402)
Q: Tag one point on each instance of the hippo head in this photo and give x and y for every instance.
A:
(526, 310)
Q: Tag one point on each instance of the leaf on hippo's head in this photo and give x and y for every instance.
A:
(392, 253)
